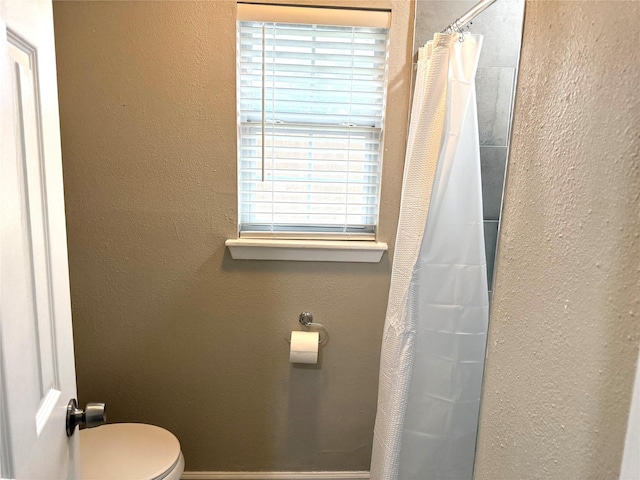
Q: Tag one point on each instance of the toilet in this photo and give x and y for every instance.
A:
(129, 451)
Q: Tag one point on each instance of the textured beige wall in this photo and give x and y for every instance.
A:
(565, 324)
(168, 329)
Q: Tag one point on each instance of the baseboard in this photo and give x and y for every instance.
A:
(275, 476)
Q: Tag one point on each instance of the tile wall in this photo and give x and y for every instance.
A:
(501, 25)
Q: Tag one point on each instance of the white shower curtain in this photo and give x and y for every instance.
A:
(435, 330)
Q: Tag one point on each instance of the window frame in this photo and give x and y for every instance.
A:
(330, 143)
(314, 245)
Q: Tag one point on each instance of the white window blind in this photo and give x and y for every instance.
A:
(311, 102)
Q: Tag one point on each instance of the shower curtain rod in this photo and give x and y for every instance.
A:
(460, 22)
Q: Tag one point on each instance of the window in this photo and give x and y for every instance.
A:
(311, 86)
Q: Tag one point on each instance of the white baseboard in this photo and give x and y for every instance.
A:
(275, 476)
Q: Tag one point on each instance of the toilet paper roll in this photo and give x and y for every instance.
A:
(304, 347)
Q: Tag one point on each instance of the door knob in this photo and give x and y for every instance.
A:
(92, 415)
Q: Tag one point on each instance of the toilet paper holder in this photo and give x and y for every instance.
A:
(306, 320)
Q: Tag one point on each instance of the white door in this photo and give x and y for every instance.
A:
(37, 373)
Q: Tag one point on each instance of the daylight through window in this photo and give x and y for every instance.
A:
(311, 101)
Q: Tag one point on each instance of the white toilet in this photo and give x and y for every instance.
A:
(129, 451)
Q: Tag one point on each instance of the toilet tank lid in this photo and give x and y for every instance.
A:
(127, 451)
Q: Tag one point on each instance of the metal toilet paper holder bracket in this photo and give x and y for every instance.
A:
(306, 320)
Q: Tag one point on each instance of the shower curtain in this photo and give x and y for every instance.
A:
(434, 338)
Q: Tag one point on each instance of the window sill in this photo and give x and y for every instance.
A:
(306, 250)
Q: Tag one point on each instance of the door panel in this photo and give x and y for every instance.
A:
(37, 373)
(31, 241)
